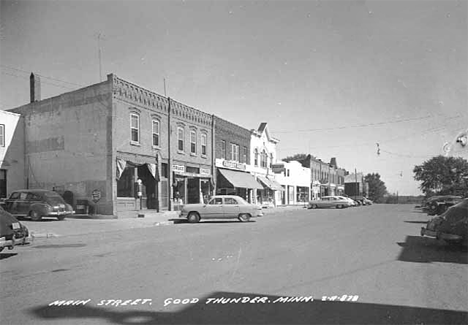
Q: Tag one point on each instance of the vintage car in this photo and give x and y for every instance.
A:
(221, 207)
(437, 205)
(451, 226)
(329, 202)
(350, 200)
(37, 204)
(12, 232)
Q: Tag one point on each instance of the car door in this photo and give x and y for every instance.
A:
(23, 204)
(11, 203)
(231, 207)
(214, 209)
(324, 202)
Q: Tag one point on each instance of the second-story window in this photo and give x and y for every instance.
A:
(263, 159)
(2, 135)
(256, 157)
(135, 128)
(271, 159)
(203, 144)
(193, 142)
(236, 150)
(155, 133)
(223, 149)
(244, 155)
(180, 138)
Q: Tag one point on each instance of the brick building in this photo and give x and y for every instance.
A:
(232, 160)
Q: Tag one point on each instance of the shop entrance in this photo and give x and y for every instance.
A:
(193, 190)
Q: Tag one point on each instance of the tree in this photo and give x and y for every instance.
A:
(298, 156)
(377, 188)
(442, 175)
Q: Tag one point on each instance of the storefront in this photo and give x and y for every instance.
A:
(315, 190)
(302, 194)
(191, 184)
(137, 182)
(267, 193)
(233, 179)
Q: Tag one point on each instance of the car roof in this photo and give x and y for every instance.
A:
(231, 196)
(35, 191)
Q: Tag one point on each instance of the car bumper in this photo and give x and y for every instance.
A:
(60, 213)
(439, 235)
(7, 243)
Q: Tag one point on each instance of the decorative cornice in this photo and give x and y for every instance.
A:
(190, 114)
(132, 93)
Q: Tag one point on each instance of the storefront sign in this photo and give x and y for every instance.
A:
(231, 164)
(186, 174)
(178, 168)
(205, 171)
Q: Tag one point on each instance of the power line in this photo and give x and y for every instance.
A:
(359, 125)
(45, 82)
(42, 76)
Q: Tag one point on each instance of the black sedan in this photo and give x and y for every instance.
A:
(12, 232)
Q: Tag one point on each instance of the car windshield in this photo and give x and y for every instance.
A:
(51, 195)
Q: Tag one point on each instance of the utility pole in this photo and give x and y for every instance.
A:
(99, 37)
(357, 185)
(169, 158)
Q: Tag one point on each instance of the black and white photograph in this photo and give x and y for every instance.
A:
(233, 162)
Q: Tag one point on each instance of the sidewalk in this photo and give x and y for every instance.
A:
(84, 224)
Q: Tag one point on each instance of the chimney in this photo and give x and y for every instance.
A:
(35, 88)
(333, 162)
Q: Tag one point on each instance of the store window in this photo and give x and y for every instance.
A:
(180, 138)
(3, 183)
(135, 128)
(203, 144)
(155, 133)
(193, 142)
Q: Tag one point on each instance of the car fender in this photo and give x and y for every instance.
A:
(41, 208)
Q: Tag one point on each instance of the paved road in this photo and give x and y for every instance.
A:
(370, 254)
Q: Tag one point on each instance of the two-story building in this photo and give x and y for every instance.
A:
(263, 155)
(11, 153)
(117, 145)
(232, 160)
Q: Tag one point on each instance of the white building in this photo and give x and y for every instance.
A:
(263, 155)
(295, 179)
(12, 164)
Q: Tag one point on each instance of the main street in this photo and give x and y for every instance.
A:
(373, 255)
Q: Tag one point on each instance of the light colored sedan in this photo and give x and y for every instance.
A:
(351, 201)
(329, 202)
(221, 207)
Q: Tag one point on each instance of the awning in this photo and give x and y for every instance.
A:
(240, 179)
(276, 186)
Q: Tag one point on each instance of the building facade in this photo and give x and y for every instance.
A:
(232, 160)
(12, 164)
(117, 146)
(295, 179)
(263, 155)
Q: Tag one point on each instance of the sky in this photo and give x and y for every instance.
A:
(380, 85)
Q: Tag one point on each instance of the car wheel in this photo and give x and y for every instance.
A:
(244, 217)
(193, 217)
(314, 206)
(34, 216)
(60, 218)
(339, 206)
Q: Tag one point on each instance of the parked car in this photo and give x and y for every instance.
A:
(221, 207)
(351, 201)
(451, 226)
(12, 232)
(437, 205)
(37, 204)
(329, 202)
(366, 201)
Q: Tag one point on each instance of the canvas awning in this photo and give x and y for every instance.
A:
(276, 186)
(240, 179)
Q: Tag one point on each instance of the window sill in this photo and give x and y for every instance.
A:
(180, 152)
(204, 156)
(133, 143)
(193, 154)
(156, 147)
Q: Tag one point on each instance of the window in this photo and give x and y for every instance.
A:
(263, 159)
(155, 133)
(223, 149)
(193, 142)
(135, 128)
(15, 196)
(230, 200)
(180, 138)
(216, 200)
(3, 183)
(244, 155)
(271, 159)
(2, 135)
(256, 157)
(164, 170)
(203, 144)
(234, 152)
